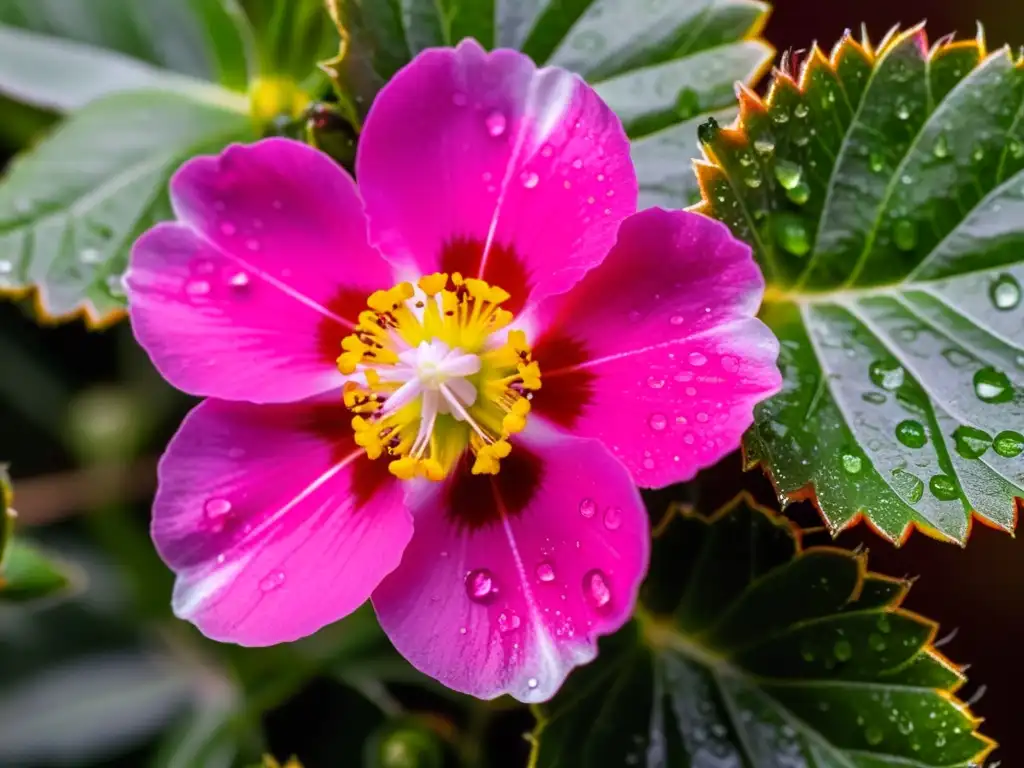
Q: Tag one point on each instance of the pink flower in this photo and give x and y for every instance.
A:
(518, 350)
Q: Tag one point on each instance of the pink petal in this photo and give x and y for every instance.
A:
(250, 295)
(480, 163)
(658, 352)
(554, 547)
(275, 523)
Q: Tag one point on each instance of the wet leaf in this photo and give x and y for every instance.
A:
(71, 207)
(750, 650)
(883, 195)
(660, 66)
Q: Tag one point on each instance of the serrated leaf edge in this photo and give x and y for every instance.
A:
(744, 498)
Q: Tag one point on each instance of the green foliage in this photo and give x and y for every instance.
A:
(751, 650)
(882, 195)
(660, 66)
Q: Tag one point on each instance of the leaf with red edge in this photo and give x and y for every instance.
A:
(883, 194)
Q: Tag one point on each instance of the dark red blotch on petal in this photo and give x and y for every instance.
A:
(476, 501)
(347, 303)
(332, 423)
(503, 268)
(566, 390)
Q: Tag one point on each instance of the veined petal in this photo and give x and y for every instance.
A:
(274, 521)
(510, 579)
(658, 351)
(250, 294)
(480, 163)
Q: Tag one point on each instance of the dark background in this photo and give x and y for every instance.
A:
(65, 379)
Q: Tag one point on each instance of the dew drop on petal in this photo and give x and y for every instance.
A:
(197, 288)
(459, 99)
(613, 518)
(595, 588)
(588, 507)
(657, 421)
(495, 124)
(272, 581)
(532, 683)
(546, 572)
(239, 280)
(480, 585)
(648, 463)
(697, 359)
(228, 228)
(508, 621)
(655, 382)
(530, 179)
(216, 508)
(676, 320)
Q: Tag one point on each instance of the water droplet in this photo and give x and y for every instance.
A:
(687, 103)
(588, 508)
(911, 433)
(655, 382)
(216, 508)
(801, 110)
(529, 179)
(971, 442)
(907, 485)
(252, 244)
(508, 621)
(873, 736)
(887, 375)
(851, 463)
(877, 162)
(752, 180)
(1016, 148)
(791, 234)
(227, 228)
(546, 572)
(495, 123)
(780, 117)
(904, 234)
(1008, 444)
(658, 421)
(676, 320)
(613, 518)
(90, 256)
(788, 173)
(876, 642)
(648, 463)
(532, 683)
(459, 99)
(764, 146)
(843, 650)
(595, 587)
(1005, 292)
(875, 398)
(992, 386)
(978, 154)
(239, 280)
(272, 582)
(943, 487)
(697, 359)
(480, 586)
(903, 112)
(799, 194)
(114, 283)
(197, 288)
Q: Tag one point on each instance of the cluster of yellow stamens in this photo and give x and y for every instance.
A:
(432, 372)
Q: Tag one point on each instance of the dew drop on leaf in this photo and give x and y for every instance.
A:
(1008, 444)
(687, 103)
(791, 234)
(843, 650)
(911, 433)
(851, 463)
(992, 386)
(801, 110)
(887, 375)
(788, 173)
(873, 736)
(907, 485)
(877, 162)
(799, 194)
(941, 148)
(943, 487)
(764, 146)
(971, 442)
(904, 234)
(1005, 292)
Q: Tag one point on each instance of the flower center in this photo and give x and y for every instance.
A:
(432, 373)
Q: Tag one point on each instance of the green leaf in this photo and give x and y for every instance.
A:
(6, 514)
(30, 575)
(750, 650)
(292, 37)
(89, 708)
(63, 75)
(658, 65)
(206, 39)
(883, 195)
(72, 206)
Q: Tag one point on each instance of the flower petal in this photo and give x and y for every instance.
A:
(553, 547)
(480, 163)
(658, 352)
(250, 295)
(274, 521)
